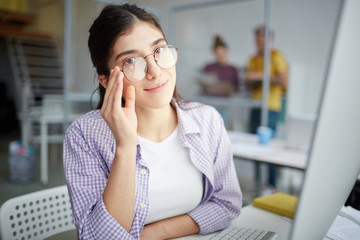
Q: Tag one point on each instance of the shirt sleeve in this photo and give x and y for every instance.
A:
(280, 64)
(86, 181)
(226, 201)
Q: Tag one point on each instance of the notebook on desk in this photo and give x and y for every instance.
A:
(279, 203)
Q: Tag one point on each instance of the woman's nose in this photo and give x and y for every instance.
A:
(153, 71)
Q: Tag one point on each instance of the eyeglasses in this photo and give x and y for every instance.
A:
(135, 68)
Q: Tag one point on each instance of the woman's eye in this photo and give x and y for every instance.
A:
(159, 50)
(129, 61)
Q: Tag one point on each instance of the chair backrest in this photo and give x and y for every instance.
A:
(36, 215)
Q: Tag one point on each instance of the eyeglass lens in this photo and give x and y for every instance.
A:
(135, 68)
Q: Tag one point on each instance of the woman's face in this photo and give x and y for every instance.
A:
(156, 89)
(221, 55)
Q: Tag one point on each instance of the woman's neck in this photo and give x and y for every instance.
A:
(156, 124)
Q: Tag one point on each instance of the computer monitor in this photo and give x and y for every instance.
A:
(334, 161)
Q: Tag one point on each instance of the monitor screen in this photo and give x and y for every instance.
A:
(334, 161)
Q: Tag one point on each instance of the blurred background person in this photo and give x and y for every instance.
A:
(222, 77)
(278, 85)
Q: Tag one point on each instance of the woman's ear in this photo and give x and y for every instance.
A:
(103, 80)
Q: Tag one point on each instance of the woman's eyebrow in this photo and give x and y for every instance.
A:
(125, 53)
(136, 51)
(157, 41)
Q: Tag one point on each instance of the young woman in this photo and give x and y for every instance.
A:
(145, 164)
(225, 74)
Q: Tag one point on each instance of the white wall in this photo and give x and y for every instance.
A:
(83, 75)
(303, 32)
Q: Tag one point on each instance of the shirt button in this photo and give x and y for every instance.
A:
(142, 205)
(143, 171)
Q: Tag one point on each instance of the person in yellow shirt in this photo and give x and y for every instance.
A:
(278, 85)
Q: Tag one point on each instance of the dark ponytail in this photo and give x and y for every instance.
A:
(218, 42)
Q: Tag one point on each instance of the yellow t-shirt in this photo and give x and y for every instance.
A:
(277, 65)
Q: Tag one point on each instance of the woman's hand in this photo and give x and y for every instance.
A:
(150, 232)
(173, 227)
(121, 120)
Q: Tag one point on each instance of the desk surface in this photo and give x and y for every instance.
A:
(246, 146)
(256, 218)
(250, 217)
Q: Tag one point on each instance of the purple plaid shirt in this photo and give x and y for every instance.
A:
(88, 153)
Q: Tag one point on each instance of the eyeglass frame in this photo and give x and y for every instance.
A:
(156, 61)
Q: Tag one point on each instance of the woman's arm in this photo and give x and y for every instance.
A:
(222, 201)
(86, 173)
(103, 206)
(170, 228)
(119, 193)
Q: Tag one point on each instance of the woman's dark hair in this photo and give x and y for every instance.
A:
(218, 42)
(260, 30)
(113, 21)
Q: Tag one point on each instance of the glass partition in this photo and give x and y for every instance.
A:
(300, 35)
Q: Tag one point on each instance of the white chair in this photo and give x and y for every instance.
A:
(36, 215)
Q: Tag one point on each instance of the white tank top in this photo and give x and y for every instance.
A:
(175, 185)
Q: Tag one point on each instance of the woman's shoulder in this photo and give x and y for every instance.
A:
(92, 116)
(202, 119)
(87, 122)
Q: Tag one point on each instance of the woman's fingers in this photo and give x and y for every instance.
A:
(130, 97)
(112, 76)
(105, 101)
(112, 88)
(122, 121)
(117, 92)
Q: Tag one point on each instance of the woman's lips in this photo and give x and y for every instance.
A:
(158, 88)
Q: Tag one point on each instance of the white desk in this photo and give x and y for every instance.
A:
(246, 146)
(252, 217)
(51, 112)
(256, 218)
(44, 139)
